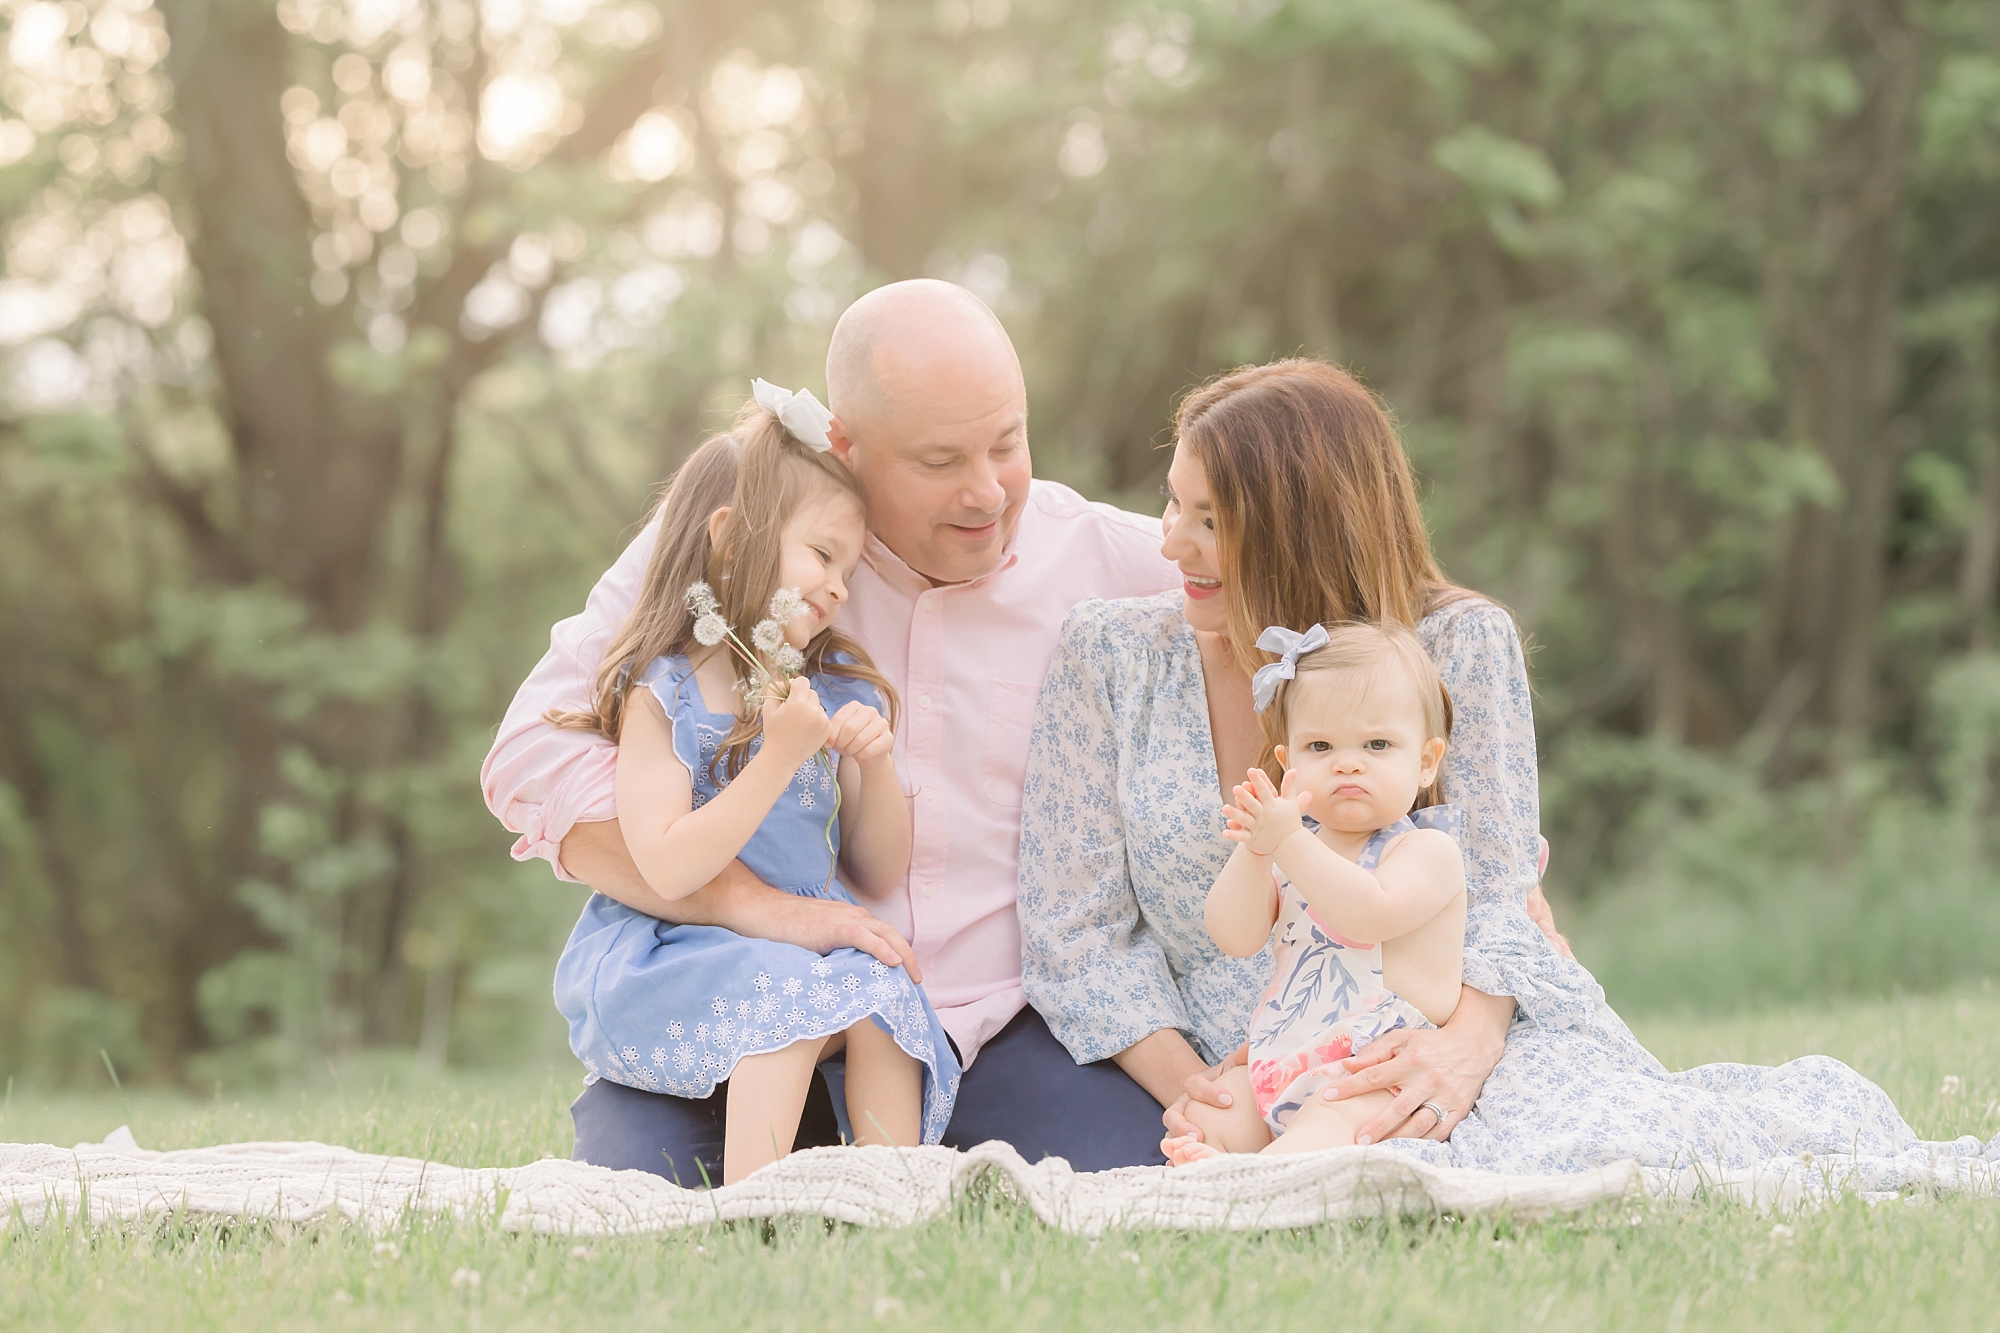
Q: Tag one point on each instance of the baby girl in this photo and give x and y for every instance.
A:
(1369, 907)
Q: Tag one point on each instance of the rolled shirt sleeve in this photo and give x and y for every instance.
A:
(540, 781)
(1490, 769)
(1089, 963)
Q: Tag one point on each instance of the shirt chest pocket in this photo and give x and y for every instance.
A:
(1010, 720)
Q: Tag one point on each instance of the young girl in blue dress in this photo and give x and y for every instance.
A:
(722, 758)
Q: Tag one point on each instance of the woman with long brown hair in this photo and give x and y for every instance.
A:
(1290, 503)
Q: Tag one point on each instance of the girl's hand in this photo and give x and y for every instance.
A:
(860, 733)
(795, 726)
(1263, 817)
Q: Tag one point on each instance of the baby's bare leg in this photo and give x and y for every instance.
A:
(1234, 1128)
(885, 1088)
(1324, 1124)
(767, 1094)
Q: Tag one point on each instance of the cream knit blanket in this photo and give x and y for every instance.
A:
(297, 1182)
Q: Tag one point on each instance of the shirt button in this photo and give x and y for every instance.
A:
(924, 889)
(923, 701)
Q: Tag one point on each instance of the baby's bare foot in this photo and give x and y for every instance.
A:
(1187, 1150)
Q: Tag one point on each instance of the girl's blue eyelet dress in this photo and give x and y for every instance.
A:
(666, 1008)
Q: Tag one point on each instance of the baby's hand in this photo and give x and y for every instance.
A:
(1264, 817)
(860, 733)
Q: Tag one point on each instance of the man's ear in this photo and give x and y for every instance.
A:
(715, 522)
(843, 443)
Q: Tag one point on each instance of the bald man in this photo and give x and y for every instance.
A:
(970, 566)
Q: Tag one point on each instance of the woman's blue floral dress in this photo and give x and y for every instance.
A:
(671, 1009)
(1121, 837)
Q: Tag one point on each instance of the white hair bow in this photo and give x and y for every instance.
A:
(800, 413)
(1291, 646)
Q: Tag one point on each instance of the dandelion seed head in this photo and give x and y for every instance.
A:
(786, 603)
(710, 629)
(768, 637)
(701, 599)
(790, 660)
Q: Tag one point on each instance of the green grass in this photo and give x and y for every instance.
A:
(1929, 1264)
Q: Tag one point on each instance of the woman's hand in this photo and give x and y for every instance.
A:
(1446, 1066)
(795, 726)
(1263, 817)
(860, 733)
(1205, 1087)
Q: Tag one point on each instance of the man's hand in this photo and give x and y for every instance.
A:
(736, 900)
(819, 924)
(1447, 1066)
(1205, 1088)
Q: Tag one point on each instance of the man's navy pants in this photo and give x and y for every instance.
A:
(1024, 1089)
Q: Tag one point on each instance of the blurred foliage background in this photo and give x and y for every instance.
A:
(342, 343)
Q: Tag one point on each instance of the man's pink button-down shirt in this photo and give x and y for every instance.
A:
(967, 661)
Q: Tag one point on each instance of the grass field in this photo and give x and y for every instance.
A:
(1920, 1264)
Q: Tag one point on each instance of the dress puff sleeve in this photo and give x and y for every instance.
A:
(1089, 964)
(1490, 770)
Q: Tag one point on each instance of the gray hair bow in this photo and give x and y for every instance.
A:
(1291, 645)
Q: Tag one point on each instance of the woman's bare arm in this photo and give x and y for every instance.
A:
(1161, 1063)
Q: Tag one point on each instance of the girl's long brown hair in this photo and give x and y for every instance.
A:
(764, 475)
(1316, 517)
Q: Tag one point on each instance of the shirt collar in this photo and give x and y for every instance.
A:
(897, 574)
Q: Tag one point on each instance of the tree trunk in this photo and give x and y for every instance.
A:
(1832, 596)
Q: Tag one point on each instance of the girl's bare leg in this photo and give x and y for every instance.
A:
(1235, 1128)
(1324, 1124)
(885, 1088)
(767, 1094)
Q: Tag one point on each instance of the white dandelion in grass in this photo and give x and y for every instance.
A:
(710, 630)
(768, 637)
